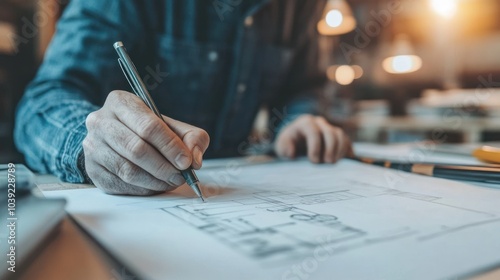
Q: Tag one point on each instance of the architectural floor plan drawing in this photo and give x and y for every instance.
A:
(274, 226)
(285, 232)
(296, 220)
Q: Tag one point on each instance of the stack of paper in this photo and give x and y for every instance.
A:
(296, 220)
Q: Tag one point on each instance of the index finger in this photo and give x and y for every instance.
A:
(133, 113)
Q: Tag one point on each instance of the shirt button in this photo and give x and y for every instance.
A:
(241, 88)
(248, 21)
(213, 56)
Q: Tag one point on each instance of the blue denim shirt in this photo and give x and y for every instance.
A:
(212, 64)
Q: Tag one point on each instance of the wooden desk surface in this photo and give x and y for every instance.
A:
(70, 255)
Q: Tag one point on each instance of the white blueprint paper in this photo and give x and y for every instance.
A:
(296, 220)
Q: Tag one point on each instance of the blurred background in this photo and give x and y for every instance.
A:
(399, 71)
(26, 27)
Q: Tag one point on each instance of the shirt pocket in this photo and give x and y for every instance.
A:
(196, 81)
(276, 65)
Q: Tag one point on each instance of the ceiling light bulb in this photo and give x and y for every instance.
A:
(444, 8)
(334, 18)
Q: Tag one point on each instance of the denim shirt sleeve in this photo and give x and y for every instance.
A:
(79, 70)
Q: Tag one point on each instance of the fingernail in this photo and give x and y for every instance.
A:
(182, 161)
(176, 180)
(198, 156)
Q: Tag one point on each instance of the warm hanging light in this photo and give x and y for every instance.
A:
(403, 58)
(444, 8)
(337, 18)
(7, 39)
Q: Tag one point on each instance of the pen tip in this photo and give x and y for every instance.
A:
(197, 190)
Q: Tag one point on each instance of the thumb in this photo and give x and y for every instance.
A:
(285, 146)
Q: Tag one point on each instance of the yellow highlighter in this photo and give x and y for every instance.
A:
(487, 154)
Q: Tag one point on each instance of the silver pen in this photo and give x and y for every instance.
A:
(142, 92)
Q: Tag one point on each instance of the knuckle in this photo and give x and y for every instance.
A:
(172, 147)
(203, 136)
(148, 126)
(118, 98)
(137, 147)
(92, 120)
(332, 130)
(338, 131)
(127, 172)
(114, 95)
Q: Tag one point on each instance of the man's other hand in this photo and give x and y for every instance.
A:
(129, 150)
(314, 136)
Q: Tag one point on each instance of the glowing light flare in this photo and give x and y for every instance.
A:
(444, 8)
(334, 18)
(344, 74)
(402, 64)
(358, 71)
(7, 38)
(337, 19)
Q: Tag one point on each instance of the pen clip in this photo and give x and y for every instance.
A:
(132, 85)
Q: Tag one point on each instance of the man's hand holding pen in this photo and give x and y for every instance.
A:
(129, 150)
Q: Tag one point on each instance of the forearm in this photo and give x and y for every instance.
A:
(79, 70)
(50, 129)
